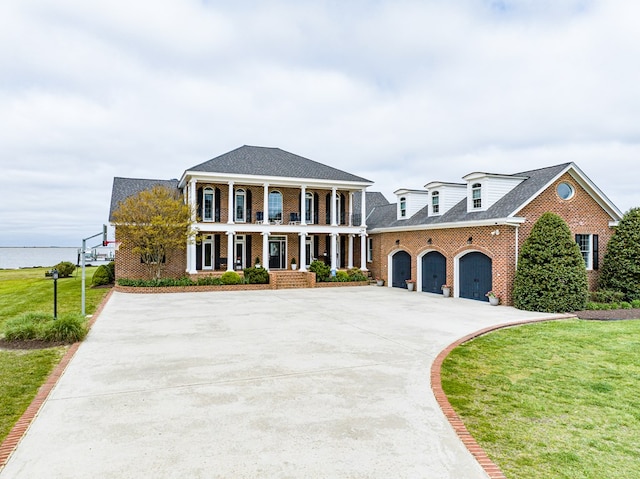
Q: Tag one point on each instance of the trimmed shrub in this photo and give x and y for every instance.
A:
(606, 296)
(621, 264)
(111, 267)
(231, 277)
(635, 303)
(342, 277)
(209, 281)
(101, 276)
(551, 275)
(65, 269)
(255, 275)
(321, 270)
(355, 274)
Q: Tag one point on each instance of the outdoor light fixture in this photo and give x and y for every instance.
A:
(470, 240)
(429, 241)
(397, 242)
(54, 273)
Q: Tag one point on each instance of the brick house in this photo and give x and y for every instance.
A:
(467, 235)
(266, 203)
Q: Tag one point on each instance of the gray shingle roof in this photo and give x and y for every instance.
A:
(125, 187)
(386, 217)
(373, 198)
(262, 161)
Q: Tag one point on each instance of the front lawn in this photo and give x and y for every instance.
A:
(552, 400)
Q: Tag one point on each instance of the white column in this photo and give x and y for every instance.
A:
(363, 251)
(231, 259)
(303, 205)
(265, 205)
(350, 263)
(350, 208)
(334, 252)
(265, 250)
(363, 209)
(333, 207)
(230, 204)
(303, 251)
(191, 247)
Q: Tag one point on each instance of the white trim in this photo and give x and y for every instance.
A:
(456, 269)
(513, 221)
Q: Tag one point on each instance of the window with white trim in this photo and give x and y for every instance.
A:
(476, 195)
(403, 207)
(241, 206)
(308, 202)
(435, 202)
(275, 206)
(369, 250)
(207, 204)
(588, 244)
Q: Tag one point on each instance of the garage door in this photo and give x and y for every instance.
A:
(475, 276)
(434, 272)
(401, 264)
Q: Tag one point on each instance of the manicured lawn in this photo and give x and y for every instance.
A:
(25, 290)
(23, 372)
(553, 400)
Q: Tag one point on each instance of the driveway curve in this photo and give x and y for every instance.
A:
(308, 383)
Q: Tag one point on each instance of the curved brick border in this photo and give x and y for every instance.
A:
(490, 467)
(20, 428)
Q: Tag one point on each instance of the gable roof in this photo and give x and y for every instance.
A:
(506, 207)
(272, 162)
(125, 187)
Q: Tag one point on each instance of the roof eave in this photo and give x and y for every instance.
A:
(509, 221)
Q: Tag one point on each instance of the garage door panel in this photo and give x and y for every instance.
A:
(434, 272)
(401, 264)
(475, 276)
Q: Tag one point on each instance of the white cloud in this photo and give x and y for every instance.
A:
(399, 92)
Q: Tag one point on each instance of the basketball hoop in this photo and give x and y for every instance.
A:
(117, 245)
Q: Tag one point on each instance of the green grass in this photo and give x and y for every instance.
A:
(21, 374)
(27, 290)
(552, 400)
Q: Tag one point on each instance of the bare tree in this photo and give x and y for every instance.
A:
(154, 224)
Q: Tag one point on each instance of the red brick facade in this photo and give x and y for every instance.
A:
(581, 212)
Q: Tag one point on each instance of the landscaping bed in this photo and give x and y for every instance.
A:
(609, 314)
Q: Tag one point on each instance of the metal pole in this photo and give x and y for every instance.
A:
(84, 247)
(55, 294)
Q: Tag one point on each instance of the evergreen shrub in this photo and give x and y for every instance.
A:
(65, 269)
(551, 274)
(621, 263)
(255, 275)
(101, 276)
(321, 270)
(231, 277)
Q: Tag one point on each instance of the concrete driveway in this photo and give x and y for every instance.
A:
(311, 383)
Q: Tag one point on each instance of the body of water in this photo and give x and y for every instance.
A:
(29, 257)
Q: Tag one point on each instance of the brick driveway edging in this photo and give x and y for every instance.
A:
(490, 467)
(20, 428)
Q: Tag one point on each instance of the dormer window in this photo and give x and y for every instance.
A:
(476, 195)
(403, 207)
(435, 202)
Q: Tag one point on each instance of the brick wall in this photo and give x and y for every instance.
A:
(581, 212)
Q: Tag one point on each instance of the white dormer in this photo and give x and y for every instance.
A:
(410, 202)
(444, 196)
(485, 189)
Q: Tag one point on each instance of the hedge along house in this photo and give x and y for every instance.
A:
(467, 235)
(261, 202)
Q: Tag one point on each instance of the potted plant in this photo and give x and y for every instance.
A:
(294, 264)
(446, 290)
(257, 261)
(494, 299)
(380, 281)
(411, 284)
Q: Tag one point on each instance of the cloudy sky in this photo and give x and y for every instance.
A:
(399, 92)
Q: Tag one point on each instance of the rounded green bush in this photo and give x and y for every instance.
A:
(231, 277)
(255, 275)
(355, 274)
(65, 269)
(321, 270)
(620, 271)
(101, 276)
(551, 275)
(342, 276)
(111, 267)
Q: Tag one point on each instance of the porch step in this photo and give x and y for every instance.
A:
(289, 279)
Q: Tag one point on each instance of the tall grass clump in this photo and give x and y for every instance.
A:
(39, 326)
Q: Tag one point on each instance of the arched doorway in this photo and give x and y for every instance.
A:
(401, 264)
(475, 276)
(434, 272)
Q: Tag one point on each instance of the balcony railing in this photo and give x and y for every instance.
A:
(220, 215)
